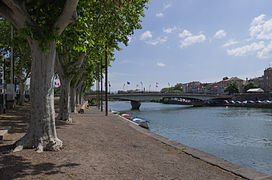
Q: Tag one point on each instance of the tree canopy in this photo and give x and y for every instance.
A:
(250, 85)
(176, 89)
(232, 88)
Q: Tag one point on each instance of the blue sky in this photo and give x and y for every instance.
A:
(196, 40)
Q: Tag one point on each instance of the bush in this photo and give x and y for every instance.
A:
(92, 102)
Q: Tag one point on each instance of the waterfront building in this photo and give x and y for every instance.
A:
(192, 87)
(268, 80)
(210, 88)
(259, 81)
(222, 85)
(265, 81)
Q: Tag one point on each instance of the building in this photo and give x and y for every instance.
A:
(222, 85)
(259, 81)
(267, 79)
(192, 87)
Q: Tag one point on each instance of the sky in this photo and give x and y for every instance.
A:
(195, 40)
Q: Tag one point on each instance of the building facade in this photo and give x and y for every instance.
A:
(222, 85)
(268, 80)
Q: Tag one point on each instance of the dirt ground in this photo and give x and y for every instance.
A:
(98, 147)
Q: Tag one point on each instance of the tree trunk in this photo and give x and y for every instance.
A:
(73, 98)
(65, 106)
(42, 130)
(81, 94)
(78, 93)
(77, 97)
(22, 93)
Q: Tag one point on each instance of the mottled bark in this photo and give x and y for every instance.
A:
(64, 103)
(73, 98)
(65, 108)
(42, 131)
(81, 94)
(22, 93)
(73, 89)
(78, 89)
(62, 67)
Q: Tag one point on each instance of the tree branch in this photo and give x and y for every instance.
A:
(27, 75)
(67, 16)
(79, 61)
(15, 12)
(58, 65)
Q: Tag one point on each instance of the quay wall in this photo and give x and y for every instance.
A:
(251, 96)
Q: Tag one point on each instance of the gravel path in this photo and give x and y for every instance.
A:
(99, 147)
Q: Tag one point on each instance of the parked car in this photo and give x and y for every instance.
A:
(267, 102)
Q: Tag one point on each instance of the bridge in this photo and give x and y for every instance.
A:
(194, 99)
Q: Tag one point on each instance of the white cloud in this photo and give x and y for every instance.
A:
(159, 40)
(146, 35)
(256, 25)
(160, 64)
(230, 43)
(247, 49)
(192, 40)
(129, 39)
(166, 6)
(261, 29)
(159, 14)
(169, 30)
(185, 33)
(220, 34)
(265, 52)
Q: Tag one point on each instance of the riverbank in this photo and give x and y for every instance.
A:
(99, 147)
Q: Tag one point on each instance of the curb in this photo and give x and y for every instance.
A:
(206, 157)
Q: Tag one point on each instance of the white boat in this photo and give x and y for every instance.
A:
(114, 112)
(143, 123)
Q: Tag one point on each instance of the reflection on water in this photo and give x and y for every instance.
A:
(240, 135)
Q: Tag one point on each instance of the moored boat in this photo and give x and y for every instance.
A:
(127, 116)
(143, 123)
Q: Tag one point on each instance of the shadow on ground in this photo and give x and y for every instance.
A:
(12, 167)
(18, 119)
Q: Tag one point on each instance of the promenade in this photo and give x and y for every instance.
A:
(99, 147)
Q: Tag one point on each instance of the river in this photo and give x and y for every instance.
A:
(239, 135)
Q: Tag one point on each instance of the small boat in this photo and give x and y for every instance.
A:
(143, 123)
(115, 112)
(127, 116)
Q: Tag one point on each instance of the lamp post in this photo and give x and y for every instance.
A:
(101, 81)
(97, 87)
(106, 79)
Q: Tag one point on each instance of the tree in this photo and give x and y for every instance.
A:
(250, 85)
(232, 88)
(101, 26)
(41, 22)
(22, 55)
(176, 89)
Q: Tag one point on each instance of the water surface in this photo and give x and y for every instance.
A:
(240, 135)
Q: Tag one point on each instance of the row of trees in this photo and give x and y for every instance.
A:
(71, 38)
